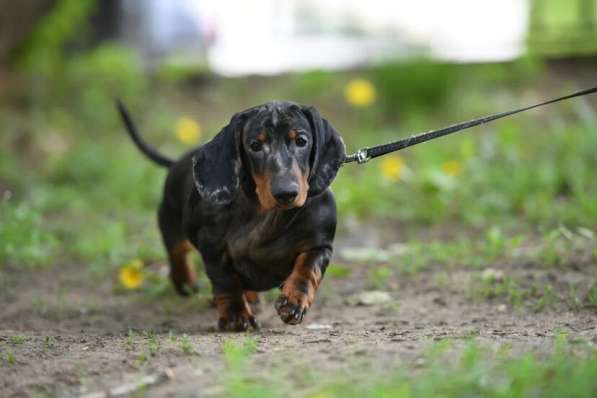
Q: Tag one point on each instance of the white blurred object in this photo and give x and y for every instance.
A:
(318, 326)
(276, 36)
(371, 297)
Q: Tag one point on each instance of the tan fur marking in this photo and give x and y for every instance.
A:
(230, 306)
(182, 270)
(251, 296)
(303, 189)
(253, 300)
(302, 274)
(292, 134)
(264, 192)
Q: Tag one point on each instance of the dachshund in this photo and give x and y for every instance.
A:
(255, 202)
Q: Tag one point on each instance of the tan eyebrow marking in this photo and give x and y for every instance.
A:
(261, 136)
(292, 134)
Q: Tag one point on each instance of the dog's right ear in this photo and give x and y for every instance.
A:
(328, 152)
(217, 164)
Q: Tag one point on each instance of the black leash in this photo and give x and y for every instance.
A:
(363, 155)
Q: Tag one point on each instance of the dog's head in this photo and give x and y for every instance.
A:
(282, 151)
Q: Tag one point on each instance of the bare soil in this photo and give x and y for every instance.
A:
(76, 327)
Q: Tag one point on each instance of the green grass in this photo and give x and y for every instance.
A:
(338, 271)
(25, 238)
(506, 288)
(447, 370)
(551, 249)
(541, 176)
(78, 179)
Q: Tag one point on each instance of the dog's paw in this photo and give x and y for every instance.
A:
(238, 323)
(293, 307)
(235, 315)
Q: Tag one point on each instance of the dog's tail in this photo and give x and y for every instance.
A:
(150, 152)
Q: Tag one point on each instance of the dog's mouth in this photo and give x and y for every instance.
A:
(287, 206)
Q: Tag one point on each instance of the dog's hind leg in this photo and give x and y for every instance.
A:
(182, 271)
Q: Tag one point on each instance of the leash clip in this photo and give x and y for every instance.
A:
(362, 155)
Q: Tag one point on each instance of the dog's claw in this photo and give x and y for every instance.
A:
(291, 313)
(254, 323)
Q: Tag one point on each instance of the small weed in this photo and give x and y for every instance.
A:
(142, 359)
(49, 342)
(591, 297)
(9, 358)
(574, 296)
(186, 346)
(240, 380)
(379, 276)
(546, 297)
(153, 344)
(237, 354)
(153, 347)
(172, 337)
(495, 243)
(130, 337)
(506, 288)
(561, 243)
(338, 271)
(16, 339)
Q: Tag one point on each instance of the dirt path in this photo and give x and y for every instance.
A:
(65, 331)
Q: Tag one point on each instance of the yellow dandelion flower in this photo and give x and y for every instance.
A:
(131, 275)
(452, 168)
(392, 167)
(360, 93)
(188, 131)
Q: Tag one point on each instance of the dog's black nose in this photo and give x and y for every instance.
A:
(286, 196)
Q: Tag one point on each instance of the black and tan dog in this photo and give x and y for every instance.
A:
(254, 201)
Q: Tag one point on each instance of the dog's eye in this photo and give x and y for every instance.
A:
(256, 146)
(301, 141)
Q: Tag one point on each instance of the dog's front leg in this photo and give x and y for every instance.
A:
(235, 313)
(298, 290)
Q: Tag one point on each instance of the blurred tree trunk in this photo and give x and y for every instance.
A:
(17, 21)
(105, 21)
(586, 13)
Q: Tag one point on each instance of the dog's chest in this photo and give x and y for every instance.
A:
(262, 248)
(261, 240)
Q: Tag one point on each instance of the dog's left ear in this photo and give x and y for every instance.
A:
(217, 164)
(328, 152)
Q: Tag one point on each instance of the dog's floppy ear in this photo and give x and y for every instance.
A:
(217, 164)
(328, 152)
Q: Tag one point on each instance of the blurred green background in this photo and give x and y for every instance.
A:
(74, 188)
